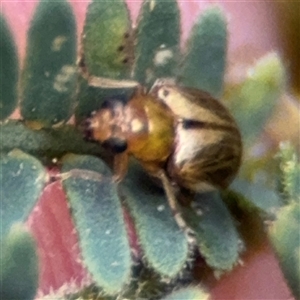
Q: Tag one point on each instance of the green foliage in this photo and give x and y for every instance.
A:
(216, 234)
(98, 216)
(147, 285)
(48, 97)
(22, 179)
(158, 37)
(255, 196)
(190, 293)
(284, 232)
(8, 71)
(107, 52)
(107, 42)
(205, 61)
(46, 143)
(48, 79)
(290, 167)
(285, 238)
(253, 102)
(164, 245)
(18, 265)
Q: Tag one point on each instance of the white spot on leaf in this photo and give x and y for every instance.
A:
(161, 208)
(58, 42)
(63, 78)
(162, 57)
(115, 264)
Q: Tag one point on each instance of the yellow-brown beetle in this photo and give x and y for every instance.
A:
(181, 135)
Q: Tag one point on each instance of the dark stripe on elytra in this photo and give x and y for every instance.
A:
(193, 124)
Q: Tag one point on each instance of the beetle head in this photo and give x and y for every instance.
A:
(106, 126)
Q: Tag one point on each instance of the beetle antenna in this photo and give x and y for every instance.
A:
(108, 83)
(163, 81)
(103, 82)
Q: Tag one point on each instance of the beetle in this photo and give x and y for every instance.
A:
(181, 135)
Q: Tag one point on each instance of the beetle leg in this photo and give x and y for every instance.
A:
(79, 173)
(120, 166)
(173, 203)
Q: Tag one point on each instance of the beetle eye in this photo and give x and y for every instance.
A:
(111, 104)
(116, 145)
(165, 92)
(87, 130)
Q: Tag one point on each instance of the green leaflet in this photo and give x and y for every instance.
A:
(18, 265)
(253, 103)
(290, 167)
(216, 233)
(22, 179)
(285, 238)
(8, 71)
(157, 45)
(98, 218)
(256, 196)
(205, 60)
(284, 231)
(164, 245)
(107, 41)
(49, 76)
(107, 52)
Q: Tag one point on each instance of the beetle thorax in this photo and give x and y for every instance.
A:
(143, 127)
(158, 145)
